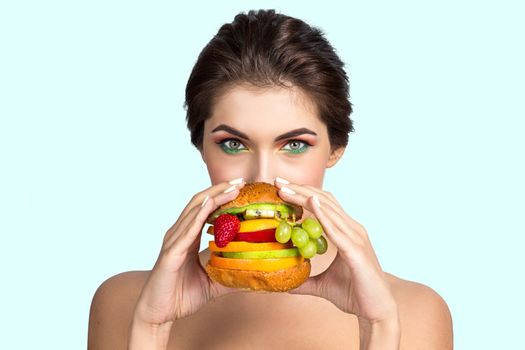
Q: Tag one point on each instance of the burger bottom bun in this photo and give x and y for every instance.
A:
(274, 281)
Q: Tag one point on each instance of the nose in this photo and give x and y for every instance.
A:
(262, 168)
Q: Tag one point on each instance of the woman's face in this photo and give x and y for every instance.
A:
(259, 134)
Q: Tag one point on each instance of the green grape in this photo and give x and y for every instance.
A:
(299, 237)
(283, 232)
(313, 227)
(322, 245)
(309, 249)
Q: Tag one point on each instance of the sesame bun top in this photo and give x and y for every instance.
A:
(255, 193)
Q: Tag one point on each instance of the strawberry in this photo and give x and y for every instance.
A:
(226, 226)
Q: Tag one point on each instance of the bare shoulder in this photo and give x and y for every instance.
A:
(425, 317)
(112, 308)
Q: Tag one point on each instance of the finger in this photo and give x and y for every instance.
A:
(350, 244)
(332, 231)
(191, 227)
(308, 202)
(307, 190)
(358, 242)
(195, 228)
(341, 238)
(199, 198)
(324, 193)
(316, 285)
(280, 182)
(182, 222)
(194, 247)
(303, 200)
(325, 198)
(299, 197)
(212, 191)
(309, 287)
(218, 289)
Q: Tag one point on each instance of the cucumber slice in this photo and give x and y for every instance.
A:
(263, 254)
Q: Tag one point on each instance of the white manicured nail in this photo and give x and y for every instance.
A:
(230, 189)
(204, 201)
(316, 201)
(287, 190)
(282, 181)
(236, 181)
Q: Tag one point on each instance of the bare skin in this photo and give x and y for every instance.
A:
(269, 320)
(349, 302)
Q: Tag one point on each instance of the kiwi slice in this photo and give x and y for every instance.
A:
(260, 210)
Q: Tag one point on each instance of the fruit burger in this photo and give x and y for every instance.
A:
(259, 244)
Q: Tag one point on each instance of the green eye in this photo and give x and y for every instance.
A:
(232, 146)
(296, 146)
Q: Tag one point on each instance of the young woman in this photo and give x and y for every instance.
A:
(268, 100)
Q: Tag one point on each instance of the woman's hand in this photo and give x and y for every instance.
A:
(178, 286)
(354, 282)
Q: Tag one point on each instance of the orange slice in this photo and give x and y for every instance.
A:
(253, 225)
(241, 246)
(255, 264)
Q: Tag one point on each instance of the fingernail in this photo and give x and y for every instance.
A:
(287, 190)
(230, 189)
(316, 201)
(204, 201)
(282, 181)
(236, 181)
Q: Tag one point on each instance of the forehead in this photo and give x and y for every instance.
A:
(274, 110)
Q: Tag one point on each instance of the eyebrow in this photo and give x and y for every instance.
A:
(286, 135)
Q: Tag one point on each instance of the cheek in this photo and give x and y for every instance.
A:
(223, 167)
(219, 172)
(308, 170)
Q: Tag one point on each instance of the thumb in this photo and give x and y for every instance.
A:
(309, 287)
(219, 290)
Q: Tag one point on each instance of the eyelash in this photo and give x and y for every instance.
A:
(230, 150)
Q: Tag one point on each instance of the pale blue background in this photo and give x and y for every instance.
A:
(96, 162)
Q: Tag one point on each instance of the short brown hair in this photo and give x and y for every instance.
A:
(266, 49)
